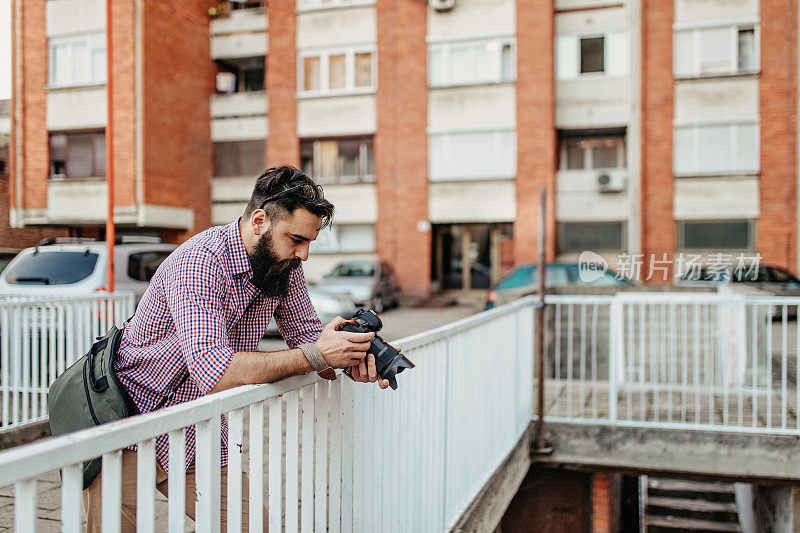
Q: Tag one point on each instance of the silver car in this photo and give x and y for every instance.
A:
(328, 307)
(371, 283)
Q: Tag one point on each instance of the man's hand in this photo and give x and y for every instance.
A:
(342, 349)
(366, 372)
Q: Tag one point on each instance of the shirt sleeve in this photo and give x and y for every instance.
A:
(194, 291)
(297, 319)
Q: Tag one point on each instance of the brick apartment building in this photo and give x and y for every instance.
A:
(663, 126)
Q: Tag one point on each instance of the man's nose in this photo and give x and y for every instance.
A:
(302, 252)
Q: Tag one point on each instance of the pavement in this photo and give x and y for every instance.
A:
(404, 321)
(397, 323)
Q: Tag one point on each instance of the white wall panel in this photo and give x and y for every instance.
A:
(336, 27)
(465, 108)
(472, 202)
(84, 107)
(720, 198)
(473, 18)
(336, 116)
(706, 10)
(75, 16)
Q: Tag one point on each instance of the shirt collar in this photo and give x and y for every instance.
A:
(240, 260)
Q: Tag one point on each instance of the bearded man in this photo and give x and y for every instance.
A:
(198, 325)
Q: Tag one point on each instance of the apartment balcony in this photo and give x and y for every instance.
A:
(239, 104)
(241, 33)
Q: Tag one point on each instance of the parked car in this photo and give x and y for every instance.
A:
(66, 265)
(328, 307)
(523, 279)
(369, 283)
(6, 255)
(765, 277)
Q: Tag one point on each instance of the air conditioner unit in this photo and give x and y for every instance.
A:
(226, 82)
(442, 5)
(611, 181)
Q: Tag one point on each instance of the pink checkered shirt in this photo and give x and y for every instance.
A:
(199, 310)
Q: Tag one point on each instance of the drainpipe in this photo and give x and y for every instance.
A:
(110, 233)
(540, 447)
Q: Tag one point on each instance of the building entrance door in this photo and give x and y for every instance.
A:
(469, 256)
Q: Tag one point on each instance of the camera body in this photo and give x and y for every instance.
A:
(388, 361)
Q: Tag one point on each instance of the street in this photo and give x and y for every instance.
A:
(401, 322)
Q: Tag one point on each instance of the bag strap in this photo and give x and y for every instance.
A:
(167, 397)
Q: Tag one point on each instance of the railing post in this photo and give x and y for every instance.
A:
(616, 340)
(445, 418)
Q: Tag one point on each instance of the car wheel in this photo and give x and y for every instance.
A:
(377, 304)
(396, 298)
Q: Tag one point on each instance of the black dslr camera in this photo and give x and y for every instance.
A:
(388, 361)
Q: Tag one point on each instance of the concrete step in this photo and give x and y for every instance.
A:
(670, 523)
(701, 506)
(689, 486)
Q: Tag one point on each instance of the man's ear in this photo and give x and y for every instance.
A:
(259, 221)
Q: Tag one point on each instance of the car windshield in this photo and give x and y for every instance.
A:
(527, 275)
(52, 268)
(353, 270)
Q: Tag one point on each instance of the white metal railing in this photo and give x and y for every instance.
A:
(340, 456)
(41, 336)
(690, 360)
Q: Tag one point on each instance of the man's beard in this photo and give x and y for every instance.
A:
(270, 273)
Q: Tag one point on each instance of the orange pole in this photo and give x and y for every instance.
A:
(110, 233)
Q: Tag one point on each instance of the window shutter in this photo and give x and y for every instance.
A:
(617, 53)
(566, 57)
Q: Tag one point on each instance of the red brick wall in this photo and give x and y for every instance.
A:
(29, 67)
(124, 131)
(178, 80)
(658, 224)
(777, 224)
(283, 146)
(536, 134)
(30, 62)
(602, 515)
(401, 144)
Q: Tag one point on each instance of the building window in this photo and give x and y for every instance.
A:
(716, 149)
(592, 55)
(303, 5)
(349, 238)
(592, 152)
(239, 158)
(77, 60)
(716, 51)
(343, 71)
(470, 63)
(241, 75)
(349, 160)
(78, 155)
(717, 235)
(594, 236)
(472, 155)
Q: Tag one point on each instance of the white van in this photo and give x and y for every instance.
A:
(80, 266)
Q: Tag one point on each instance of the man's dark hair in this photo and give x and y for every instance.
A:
(281, 190)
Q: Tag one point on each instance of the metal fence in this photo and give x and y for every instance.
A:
(339, 456)
(719, 361)
(40, 337)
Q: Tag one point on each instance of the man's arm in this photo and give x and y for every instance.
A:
(340, 349)
(248, 368)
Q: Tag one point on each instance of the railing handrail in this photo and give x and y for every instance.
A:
(46, 455)
(13, 300)
(43, 456)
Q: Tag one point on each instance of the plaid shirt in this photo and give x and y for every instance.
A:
(200, 309)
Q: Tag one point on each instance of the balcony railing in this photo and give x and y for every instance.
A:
(42, 336)
(339, 455)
